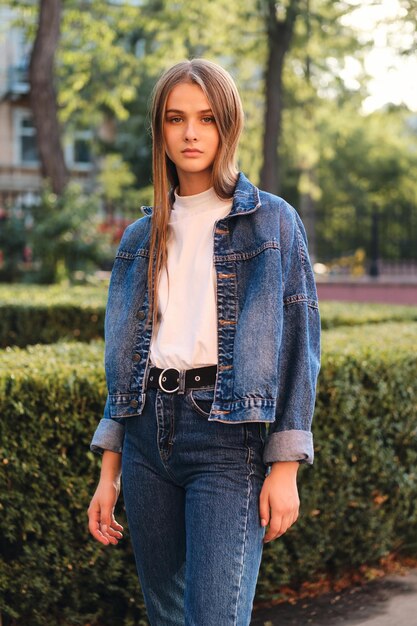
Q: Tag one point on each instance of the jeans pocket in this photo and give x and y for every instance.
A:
(201, 400)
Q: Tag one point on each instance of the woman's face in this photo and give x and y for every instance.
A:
(190, 132)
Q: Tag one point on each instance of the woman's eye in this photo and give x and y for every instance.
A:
(208, 119)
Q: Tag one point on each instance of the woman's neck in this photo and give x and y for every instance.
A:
(191, 184)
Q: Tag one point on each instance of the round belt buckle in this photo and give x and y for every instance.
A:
(161, 379)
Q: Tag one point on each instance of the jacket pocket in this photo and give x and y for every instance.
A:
(124, 405)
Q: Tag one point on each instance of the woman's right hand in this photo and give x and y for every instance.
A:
(101, 522)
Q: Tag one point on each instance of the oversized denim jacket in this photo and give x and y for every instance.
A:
(268, 326)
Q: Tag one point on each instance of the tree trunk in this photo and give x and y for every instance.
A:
(308, 172)
(280, 33)
(43, 96)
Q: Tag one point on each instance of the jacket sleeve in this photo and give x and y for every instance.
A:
(289, 436)
(109, 433)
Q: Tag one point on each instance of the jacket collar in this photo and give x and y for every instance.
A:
(245, 198)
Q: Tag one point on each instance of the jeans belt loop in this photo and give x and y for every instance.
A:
(182, 381)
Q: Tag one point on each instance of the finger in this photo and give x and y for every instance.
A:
(114, 532)
(273, 536)
(286, 522)
(114, 528)
(264, 509)
(100, 525)
(94, 526)
(98, 535)
(115, 525)
(273, 530)
(106, 529)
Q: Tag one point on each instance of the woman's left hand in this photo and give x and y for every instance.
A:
(278, 501)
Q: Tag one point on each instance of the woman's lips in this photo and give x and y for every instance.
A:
(191, 152)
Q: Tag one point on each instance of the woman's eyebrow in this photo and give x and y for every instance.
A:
(179, 111)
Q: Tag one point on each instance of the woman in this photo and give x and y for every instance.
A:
(224, 344)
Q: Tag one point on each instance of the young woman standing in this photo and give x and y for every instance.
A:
(224, 343)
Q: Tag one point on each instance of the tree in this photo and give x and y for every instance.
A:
(43, 95)
(79, 77)
(366, 166)
(312, 74)
(280, 22)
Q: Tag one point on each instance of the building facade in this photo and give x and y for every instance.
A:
(20, 179)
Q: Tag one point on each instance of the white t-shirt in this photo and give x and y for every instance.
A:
(186, 334)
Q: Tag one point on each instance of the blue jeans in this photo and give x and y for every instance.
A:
(191, 490)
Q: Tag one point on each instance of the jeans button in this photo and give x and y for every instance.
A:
(140, 315)
(137, 356)
(134, 404)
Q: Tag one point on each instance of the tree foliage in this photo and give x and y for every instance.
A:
(336, 165)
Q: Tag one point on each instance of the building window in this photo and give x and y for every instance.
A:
(78, 149)
(81, 150)
(77, 144)
(27, 149)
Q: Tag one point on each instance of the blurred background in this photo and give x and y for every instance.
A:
(330, 95)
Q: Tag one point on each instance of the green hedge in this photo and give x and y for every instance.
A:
(52, 295)
(334, 314)
(33, 314)
(47, 313)
(51, 571)
(357, 500)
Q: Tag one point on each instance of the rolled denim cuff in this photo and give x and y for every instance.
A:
(289, 445)
(108, 436)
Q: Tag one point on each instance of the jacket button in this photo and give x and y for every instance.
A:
(137, 357)
(134, 404)
(140, 315)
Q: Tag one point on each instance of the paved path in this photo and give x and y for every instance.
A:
(388, 601)
(368, 291)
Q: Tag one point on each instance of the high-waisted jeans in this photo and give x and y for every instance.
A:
(191, 490)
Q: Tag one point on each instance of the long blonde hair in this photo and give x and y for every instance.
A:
(223, 97)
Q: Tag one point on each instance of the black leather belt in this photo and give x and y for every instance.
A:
(169, 379)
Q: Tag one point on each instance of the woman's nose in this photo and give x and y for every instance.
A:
(190, 131)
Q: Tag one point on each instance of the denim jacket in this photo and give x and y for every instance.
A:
(268, 326)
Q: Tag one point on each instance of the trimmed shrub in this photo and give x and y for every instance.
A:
(358, 499)
(52, 572)
(33, 314)
(53, 295)
(335, 314)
